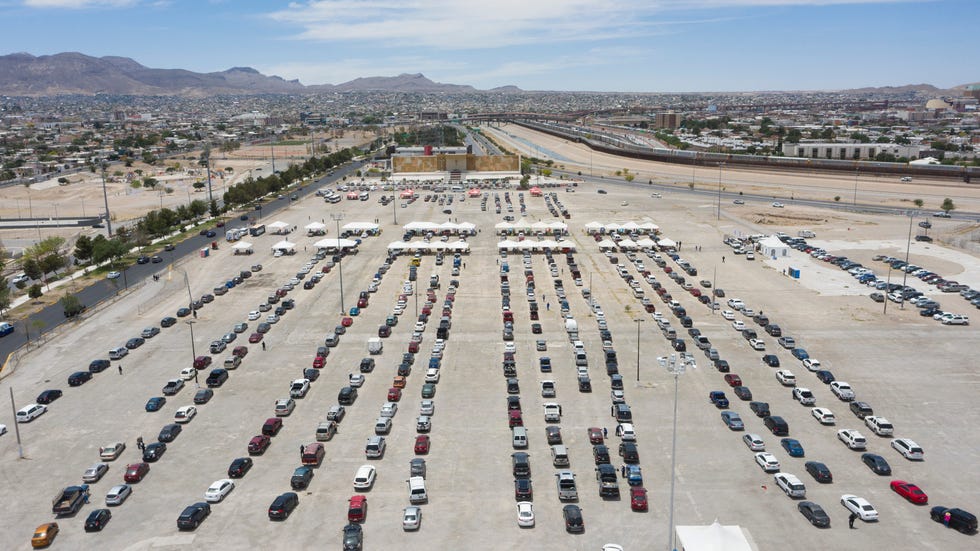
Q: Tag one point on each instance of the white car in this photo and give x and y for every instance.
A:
(754, 442)
(95, 472)
(272, 318)
(525, 513)
(218, 490)
(728, 314)
(804, 396)
(185, 414)
(860, 506)
(420, 326)
(909, 449)
(364, 478)
(509, 347)
(786, 377)
(389, 409)
(284, 407)
(842, 390)
(812, 364)
(617, 396)
(736, 303)
(852, 439)
(118, 494)
(356, 380)
(298, 388)
(738, 325)
(188, 373)
(113, 275)
(411, 518)
(824, 415)
(777, 205)
(748, 312)
(30, 412)
(427, 407)
(767, 461)
(432, 375)
(757, 344)
(254, 315)
(879, 425)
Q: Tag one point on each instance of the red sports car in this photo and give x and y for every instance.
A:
(319, 361)
(910, 492)
(347, 321)
(638, 498)
(394, 394)
(733, 380)
(421, 444)
(595, 435)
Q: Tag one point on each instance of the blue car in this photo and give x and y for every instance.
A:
(792, 447)
(732, 419)
(155, 403)
(826, 377)
(355, 311)
(800, 354)
(718, 398)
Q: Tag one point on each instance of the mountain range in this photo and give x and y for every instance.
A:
(22, 74)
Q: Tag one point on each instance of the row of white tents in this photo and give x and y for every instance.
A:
(532, 245)
(413, 246)
(451, 227)
(630, 245)
(555, 227)
(289, 246)
(599, 227)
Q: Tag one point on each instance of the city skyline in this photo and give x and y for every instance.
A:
(567, 45)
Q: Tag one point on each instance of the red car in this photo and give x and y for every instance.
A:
(421, 444)
(910, 492)
(357, 510)
(399, 381)
(255, 338)
(258, 444)
(347, 321)
(638, 498)
(202, 362)
(362, 303)
(733, 380)
(514, 418)
(394, 394)
(240, 351)
(136, 471)
(325, 270)
(413, 347)
(595, 436)
(319, 361)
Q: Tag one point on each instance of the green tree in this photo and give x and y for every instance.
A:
(52, 263)
(948, 205)
(83, 248)
(35, 291)
(32, 268)
(149, 182)
(918, 203)
(213, 208)
(71, 306)
(860, 137)
(199, 185)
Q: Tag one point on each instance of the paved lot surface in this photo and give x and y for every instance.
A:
(918, 374)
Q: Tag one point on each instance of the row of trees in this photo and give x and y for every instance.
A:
(161, 222)
(252, 188)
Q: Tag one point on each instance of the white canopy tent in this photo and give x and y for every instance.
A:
(279, 227)
(360, 227)
(242, 247)
(649, 227)
(667, 243)
(315, 228)
(772, 247)
(630, 226)
(333, 243)
(461, 246)
(612, 226)
(421, 226)
(397, 246)
(715, 537)
(646, 242)
(628, 245)
(607, 244)
(507, 244)
(284, 246)
(593, 227)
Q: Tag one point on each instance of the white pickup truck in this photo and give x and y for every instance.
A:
(552, 412)
(567, 490)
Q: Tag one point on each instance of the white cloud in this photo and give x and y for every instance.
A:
(78, 4)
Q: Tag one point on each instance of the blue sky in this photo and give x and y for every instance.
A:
(597, 45)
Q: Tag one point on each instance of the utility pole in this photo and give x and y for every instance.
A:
(13, 406)
(207, 153)
(337, 217)
(105, 196)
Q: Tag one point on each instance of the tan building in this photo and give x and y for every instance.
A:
(455, 167)
(667, 120)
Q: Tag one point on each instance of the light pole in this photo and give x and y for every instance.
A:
(337, 217)
(676, 369)
(908, 249)
(638, 322)
(714, 285)
(190, 323)
(720, 165)
(855, 202)
(105, 197)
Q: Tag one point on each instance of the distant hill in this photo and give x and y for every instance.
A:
(921, 88)
(22, 74)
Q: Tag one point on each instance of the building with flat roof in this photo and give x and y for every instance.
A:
(856, 151)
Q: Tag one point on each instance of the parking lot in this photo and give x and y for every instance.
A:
(918, 374)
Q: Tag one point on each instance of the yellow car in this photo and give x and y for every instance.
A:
(44, 535)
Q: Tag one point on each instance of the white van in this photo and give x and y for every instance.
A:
(790, 484)
(626, 432)
(416, 490)
(520, 437)
(559, 456)
(382, 425)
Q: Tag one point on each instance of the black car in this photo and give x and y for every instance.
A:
(825, 377)
(367, 365)
(573, 514)
(155, 403)
(353, 537)
(203, 396)
(629, 453)
(771, 360)
(135, 343)
(861, 409)
(143, 259)
(523, 489)
(48, 396)
(819, 471)
(154, 452)
(743, 392)
(877, 464)
(301, 477)
(601, 454)
(239, 467)
(98, 366)
(959, 519)
(169, 432)
(168, 321)
(193, 516)
(79, 378)
(283, 505)
(182, 313)
(97, 520)
(814, 513)
(210, 233)
(760, 409)
(679, 345)
(722, 365)
(777, 425)
(169, 247)
(311, 374)
(217, 377)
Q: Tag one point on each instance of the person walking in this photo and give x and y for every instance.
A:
(120, 368)
(139, 443)
(723, 260)
(851, 519)
(605, 432)
(263, 345)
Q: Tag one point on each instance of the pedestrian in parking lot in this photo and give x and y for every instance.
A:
(120, 368)
(723, 260)
(605, 432)
(851, 519)
(623, 470)
(263, 345)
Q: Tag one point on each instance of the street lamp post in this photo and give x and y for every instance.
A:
(105, 197)
(908, 250)
(855, 202)
(638, 322)
(676, 369)
(190, 323)
(720, 165)
(337, 217)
